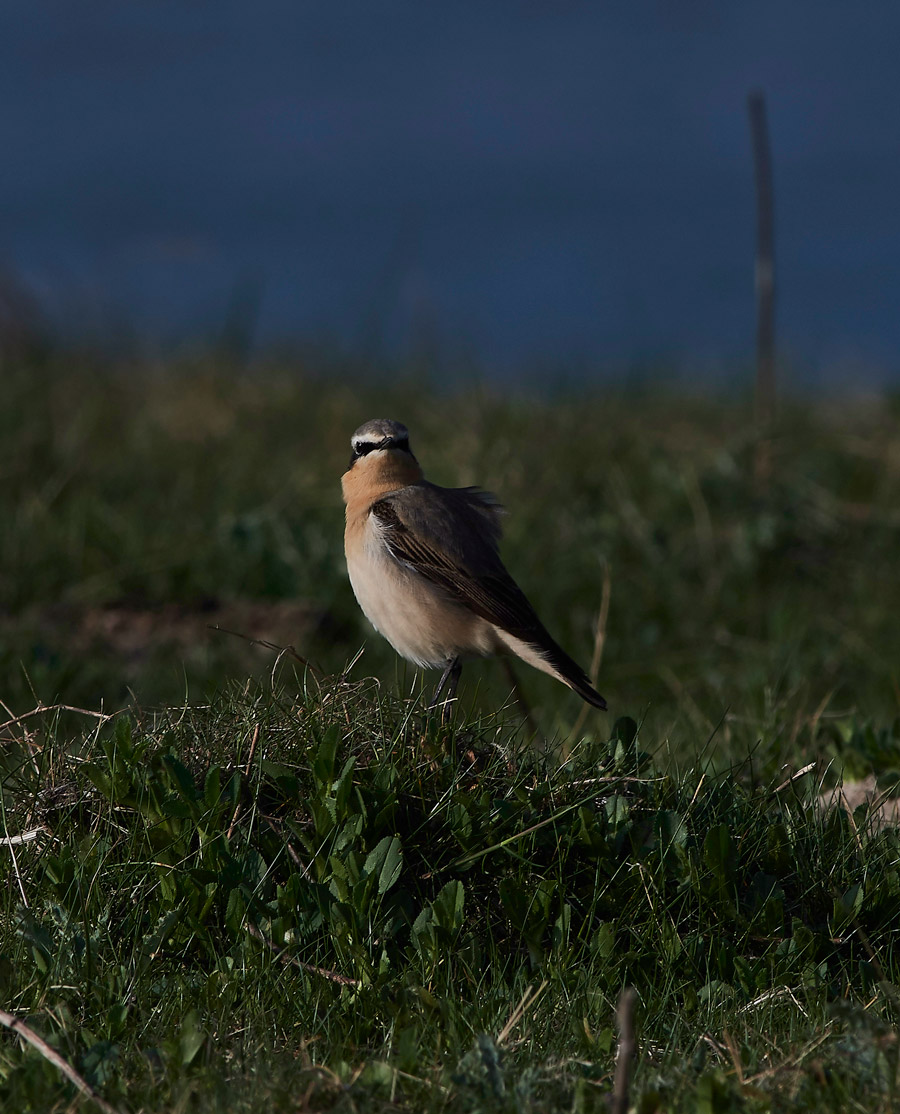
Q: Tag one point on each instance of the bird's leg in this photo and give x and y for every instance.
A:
(449, 680)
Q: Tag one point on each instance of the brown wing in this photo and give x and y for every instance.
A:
(489, 591)
(450, 537)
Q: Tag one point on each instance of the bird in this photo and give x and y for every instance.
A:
(425, 567)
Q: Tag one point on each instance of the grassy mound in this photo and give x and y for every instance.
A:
(329, 894)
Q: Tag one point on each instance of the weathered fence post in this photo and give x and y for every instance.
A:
(765, 283)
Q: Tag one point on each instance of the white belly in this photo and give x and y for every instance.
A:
(415, 616)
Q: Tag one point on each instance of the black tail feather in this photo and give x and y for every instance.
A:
(569, 671)
(587, 692)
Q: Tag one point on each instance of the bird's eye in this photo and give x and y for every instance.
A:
(361, 448)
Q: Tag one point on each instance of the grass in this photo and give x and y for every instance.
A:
(258, 885)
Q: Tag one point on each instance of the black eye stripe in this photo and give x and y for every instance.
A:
(361, 448)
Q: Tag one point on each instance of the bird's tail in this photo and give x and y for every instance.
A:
(550, 658)
(586, 691)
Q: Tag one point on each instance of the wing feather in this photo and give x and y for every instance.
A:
(450, 536)
(490, 592)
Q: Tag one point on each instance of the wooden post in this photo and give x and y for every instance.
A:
(765, 282)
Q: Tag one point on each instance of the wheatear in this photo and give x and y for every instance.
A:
(424, 566)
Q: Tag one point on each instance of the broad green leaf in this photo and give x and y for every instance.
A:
(212, 789)
(184, 783)
(99, 779)
(603, 942)
(385, 860)
(323, 762)
(448, 908)
(191, 1038)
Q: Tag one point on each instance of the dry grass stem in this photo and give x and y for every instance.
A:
(282, 954)
(625, 1052)
(526, 1003)
(52, 1056)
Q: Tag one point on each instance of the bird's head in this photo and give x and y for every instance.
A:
(379, 436)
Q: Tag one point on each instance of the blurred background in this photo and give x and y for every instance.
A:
(232, 232)
(518, 186)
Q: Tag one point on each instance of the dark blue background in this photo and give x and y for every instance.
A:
(517, 180)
